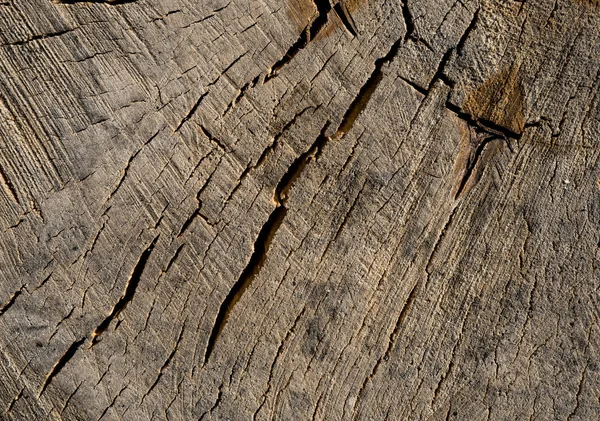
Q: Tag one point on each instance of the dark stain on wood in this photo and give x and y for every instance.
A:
(499, 100)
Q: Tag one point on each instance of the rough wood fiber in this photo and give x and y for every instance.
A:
(269, 209)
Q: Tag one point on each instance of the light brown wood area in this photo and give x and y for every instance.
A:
(299, 210)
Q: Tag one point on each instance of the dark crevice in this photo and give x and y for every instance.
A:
(472, 163)
(408, 21)
(257, 259)
(128, 294)
(323, 8)
(465, 35)
(366, 91)
(212, 138)
(191, 112)
(308, 34)
(298, 166)
(60, 364)
(175, 256)
(11, 301)
(483, 124)
(190, 219)
(9, 185)
(440, 73)
(264, 239)
(416, 87)
(241, 94)
(110, 2)
(342, 11)
(266, 151)
(41, 37)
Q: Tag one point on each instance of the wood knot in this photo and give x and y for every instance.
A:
(499, 100)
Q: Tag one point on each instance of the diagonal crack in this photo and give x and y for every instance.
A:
(9, 186)
(264, 239)
(344, 14)
(110, 2)
(363, 97)
(11, 300)
(167, 361)
(196, 105)
(128, 294)
(60, 364)
(392, 339)
(473, 159)
(306, 36)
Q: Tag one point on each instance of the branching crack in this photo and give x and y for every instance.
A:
(194, 108)
(112, 403)
(483, 124)
(440, 73)
(480, 138)
(472, 161)
(241, 94)
(128, 166)
(307, 35)
(463, 39)
(197, 211)
(128, 294)
(266, 152)
(213, 139)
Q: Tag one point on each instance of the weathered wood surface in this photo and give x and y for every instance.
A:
(268, 209)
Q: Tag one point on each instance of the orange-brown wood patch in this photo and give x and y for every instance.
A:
(303, 12)
(499, 100)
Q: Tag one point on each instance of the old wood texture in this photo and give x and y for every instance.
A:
(296, 210)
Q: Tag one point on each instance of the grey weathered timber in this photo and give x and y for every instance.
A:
(296, 210)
